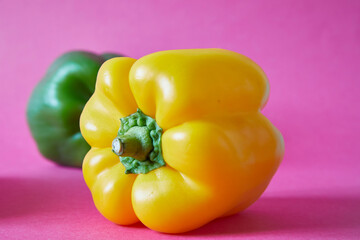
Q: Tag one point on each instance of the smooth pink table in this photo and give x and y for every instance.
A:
(310, 51)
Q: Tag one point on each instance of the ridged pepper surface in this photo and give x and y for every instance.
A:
(177, 138)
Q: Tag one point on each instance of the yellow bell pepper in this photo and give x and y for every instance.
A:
(198, 149)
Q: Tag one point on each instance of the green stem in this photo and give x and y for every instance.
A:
(135, 143)
(138, 143)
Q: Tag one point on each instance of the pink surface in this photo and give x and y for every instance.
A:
(310, 51)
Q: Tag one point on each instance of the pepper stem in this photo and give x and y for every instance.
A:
(138, 144)
(117, 146)
(135, 143)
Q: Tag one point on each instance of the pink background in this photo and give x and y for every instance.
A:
(310, 51)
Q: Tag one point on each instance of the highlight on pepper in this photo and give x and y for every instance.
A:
(177, 138)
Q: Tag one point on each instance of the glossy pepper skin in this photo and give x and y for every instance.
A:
(56, 103)
(220, 152)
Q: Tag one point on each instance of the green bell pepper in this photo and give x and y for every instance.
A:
(56, 103)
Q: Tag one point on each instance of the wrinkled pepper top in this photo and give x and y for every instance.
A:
(219, 151)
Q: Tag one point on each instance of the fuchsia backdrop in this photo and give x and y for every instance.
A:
(310, 51)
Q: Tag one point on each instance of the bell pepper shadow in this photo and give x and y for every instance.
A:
(275, 215)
